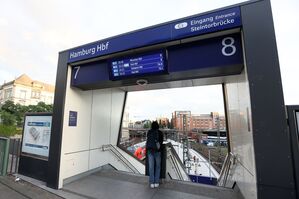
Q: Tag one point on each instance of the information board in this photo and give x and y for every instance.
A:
(36, 135)
(73, 118)
(147, 64)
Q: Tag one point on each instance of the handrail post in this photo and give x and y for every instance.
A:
(12, 155)
(210, 164)
(5, 156)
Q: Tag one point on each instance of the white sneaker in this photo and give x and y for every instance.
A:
(152, 186)
(156, 185)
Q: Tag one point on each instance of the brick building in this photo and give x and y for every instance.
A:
(181, 120)
(184, 120)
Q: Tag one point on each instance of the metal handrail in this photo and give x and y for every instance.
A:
(120, 157)
(221, 174)
(174, 163)
(176, 160)
(228, 162)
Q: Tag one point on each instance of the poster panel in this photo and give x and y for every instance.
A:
(36, 135)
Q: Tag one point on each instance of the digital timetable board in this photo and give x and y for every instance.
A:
(145, 64)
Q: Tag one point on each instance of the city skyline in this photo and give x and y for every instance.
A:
(151, 104)
(196, 114)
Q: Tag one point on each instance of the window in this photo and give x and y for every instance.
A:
(8, 93)
(23, 94)
(35, 94)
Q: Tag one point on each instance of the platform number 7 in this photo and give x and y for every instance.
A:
(77, 68)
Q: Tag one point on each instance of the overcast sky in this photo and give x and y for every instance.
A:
(32, 32)
(162, 103)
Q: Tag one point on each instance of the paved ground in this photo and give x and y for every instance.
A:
(10, 189)
(111, 185)
(6, 192)
(120, 185)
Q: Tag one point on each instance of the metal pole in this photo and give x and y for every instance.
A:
(218, 133)
(18, 156)
(210, 164)
(12, 156)
(5, 156)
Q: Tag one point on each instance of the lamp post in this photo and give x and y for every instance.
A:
(218, 133)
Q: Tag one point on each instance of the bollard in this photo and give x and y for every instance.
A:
(4, 152)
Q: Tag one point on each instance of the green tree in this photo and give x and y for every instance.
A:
(8, 107)
(20, 111)
(147, 125)
(13, 114)
(8, 119)
(40, 107)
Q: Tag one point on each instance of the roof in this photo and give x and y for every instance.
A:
(27, 81)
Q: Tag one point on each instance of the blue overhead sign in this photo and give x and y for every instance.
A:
(188, 27)
(213, 22)
(215, 56)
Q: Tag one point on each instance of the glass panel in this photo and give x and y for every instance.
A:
(297, 116)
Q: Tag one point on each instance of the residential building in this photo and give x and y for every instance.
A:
(25, 91)
(163, 122)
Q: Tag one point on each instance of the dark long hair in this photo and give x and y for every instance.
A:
(155, 125)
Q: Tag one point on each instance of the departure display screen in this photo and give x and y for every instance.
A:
(146, 64)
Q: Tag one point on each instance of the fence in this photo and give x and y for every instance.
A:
(9, 155)
(4, 146)
(14, 155)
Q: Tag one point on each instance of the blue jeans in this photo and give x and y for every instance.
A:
(154, 163)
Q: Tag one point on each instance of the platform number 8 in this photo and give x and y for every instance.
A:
(228, 48)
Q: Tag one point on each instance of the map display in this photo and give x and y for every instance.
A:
(37, 134)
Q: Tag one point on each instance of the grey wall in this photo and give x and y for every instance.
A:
(274, 170)
(98, 122)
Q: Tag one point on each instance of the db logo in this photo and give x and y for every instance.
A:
(181, 25)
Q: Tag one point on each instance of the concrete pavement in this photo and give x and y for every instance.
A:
(11, 189)
(112, 185)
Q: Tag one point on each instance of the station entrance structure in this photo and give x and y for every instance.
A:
(233, 46)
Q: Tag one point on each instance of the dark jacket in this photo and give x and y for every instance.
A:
(152, 136)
